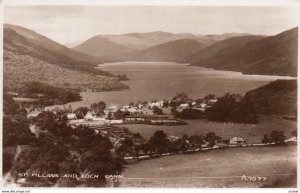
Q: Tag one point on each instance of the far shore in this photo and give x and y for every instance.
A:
(190, 65)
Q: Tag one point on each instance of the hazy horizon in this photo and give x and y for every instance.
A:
(70, 24)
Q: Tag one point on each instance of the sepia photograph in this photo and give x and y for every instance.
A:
(149, 96)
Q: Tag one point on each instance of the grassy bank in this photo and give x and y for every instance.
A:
(220, 168)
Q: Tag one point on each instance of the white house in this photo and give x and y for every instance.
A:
(33, 114)
(237, 140)
(132, 110)
(156, 104)
(124, 108)
(203, 105)
(173, 138)
(184, 106)
(114, 108)
(71, 116)
(212, 101)
(89, 116)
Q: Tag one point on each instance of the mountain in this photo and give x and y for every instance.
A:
(25, 41)
(214, 48)
(29, 56)
(220, 37)
(167, 52)
(277, 98)
(140, 41)
(114, 47)
(102, 47)
(160, 37)
(274, 55)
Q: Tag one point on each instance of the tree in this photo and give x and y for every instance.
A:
(16, 131)
(159, 141)
(98, 108)
(173, 104)
(157, 111)
(198, 101)
(126, 147)
(174, 112)
(94, 106)
(209, 97)
(46, 120)
(81, 112)
(196, 140)
(211, 138)
(165, 104)
(277, 137)
(266, 139)
(181, 98)
(110, 116)
(101, 105)
(120, 115)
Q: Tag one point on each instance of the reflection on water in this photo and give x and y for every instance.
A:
(159, 80)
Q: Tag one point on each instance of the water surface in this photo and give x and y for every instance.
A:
(163, 80)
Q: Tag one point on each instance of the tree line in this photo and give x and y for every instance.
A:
(56, 148)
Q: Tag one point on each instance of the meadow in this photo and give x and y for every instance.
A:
(217, 168)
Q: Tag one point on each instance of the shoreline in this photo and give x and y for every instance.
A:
(191, 65)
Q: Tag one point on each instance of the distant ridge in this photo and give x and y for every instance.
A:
(168, 52)
(102, 47)
(216, 47)
(274, 55)
(113, 47)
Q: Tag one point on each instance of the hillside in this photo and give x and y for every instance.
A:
(19, 69)
(32, 57)
(275, 55)
(278, 98)
(25, 41)
(214, 48)
(168, 52)
(102, 47)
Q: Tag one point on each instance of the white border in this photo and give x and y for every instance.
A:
(261, 3)
(157, 2)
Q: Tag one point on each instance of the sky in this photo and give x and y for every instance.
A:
(69, 24)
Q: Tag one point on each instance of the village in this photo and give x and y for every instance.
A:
(153, 112)
(110, 122)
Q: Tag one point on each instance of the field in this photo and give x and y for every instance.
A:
(218, 168)
(251, 133)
